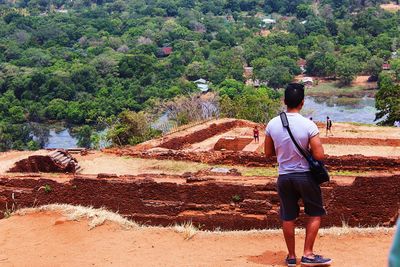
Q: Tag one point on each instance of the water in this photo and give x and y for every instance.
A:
(61, 139)
(360, 110)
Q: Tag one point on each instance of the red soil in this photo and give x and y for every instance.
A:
(213, 129)
(39, 163)
(360, 141)
(349, 162)
(36, 240)
(232, 143)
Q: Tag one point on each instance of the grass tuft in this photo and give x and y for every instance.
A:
(187, 228)
(96, 217)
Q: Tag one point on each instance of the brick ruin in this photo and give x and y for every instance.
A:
(368, 201)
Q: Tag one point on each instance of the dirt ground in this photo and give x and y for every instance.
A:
(362, 80)
(366, 131)
(342, 150)
(7, 159)
(370, 133)
(37, 240)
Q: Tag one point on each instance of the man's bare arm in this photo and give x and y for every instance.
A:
(316, 148)
(269, 148)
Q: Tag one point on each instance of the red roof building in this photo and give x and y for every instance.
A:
(386, 66)
(166, 50)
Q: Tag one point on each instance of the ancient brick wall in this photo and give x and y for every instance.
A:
(232, 143)
(369, 201)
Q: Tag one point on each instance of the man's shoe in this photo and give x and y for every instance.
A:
(318, 260)
(291, 262)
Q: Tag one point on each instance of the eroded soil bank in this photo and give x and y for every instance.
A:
(209, 204)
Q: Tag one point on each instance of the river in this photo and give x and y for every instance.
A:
(360, 110)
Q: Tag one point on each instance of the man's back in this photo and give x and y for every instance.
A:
(289, 158)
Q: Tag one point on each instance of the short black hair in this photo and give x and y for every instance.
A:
(294, 94)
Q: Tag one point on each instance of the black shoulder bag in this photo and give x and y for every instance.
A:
(317, 167)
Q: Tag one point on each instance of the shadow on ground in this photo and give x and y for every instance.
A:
(274, 258)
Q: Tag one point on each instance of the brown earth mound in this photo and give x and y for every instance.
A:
(213, 129)
(209, 204)
(56, 161)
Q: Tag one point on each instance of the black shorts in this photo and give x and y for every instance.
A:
(292, 187)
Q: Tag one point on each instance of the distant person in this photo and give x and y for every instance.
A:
(294, 180)
(394, 257)
(328, 126)
(256, 134)
(396, 124)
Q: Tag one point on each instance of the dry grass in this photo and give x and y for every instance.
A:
(179, 167)
(257, 171)
(166, 166)
(187, 228)
(175, 167)
(96, 217)
(332, 231)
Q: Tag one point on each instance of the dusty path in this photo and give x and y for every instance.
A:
(35, 240)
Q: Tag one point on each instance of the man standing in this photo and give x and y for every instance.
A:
(328, 126)
(295, 181)
(256, 134)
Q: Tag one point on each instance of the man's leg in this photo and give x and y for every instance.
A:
(288, 232)
(311, 234)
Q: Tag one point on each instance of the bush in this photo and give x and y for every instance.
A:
(131, 128)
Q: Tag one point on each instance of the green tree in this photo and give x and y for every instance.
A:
(373, 67)
(84, 136)
(321, 64)
(346, 70)
(387, 100)
(254, 105)
(131, 128)
(395, 65)
(276, 76)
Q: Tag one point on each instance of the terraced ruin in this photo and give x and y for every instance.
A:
(198, 175)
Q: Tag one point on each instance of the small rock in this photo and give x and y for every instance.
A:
(60, 220)
(220, 170)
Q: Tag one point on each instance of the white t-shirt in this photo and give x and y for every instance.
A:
(289, 158)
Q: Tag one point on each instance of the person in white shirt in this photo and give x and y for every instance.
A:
(295, 181)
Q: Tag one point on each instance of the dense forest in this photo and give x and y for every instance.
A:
(83, 62)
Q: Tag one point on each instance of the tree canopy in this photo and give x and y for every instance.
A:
(78, 61)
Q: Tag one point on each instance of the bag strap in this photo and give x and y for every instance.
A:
(285, 124)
